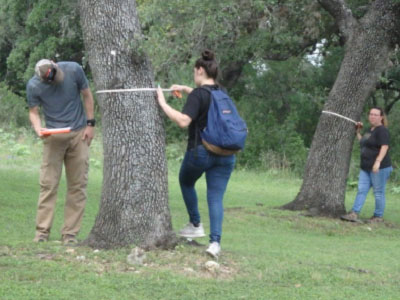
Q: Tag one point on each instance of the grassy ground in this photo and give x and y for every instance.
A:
(267, 253)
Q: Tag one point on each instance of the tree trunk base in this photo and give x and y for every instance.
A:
(166, 242)
(314, 208)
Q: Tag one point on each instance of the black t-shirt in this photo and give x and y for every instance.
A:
(371, 144)
(196, 107)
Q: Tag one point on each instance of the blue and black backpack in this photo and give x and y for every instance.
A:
(225, 132)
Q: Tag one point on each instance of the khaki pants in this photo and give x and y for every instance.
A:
(70, 149)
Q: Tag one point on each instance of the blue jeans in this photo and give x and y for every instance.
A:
(378, 183)
(218, 170)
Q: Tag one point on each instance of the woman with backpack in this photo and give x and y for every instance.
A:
(198, 160)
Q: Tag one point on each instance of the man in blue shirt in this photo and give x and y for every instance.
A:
(57, 89)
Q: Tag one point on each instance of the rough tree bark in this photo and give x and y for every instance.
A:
(134, 202)
(369, 41)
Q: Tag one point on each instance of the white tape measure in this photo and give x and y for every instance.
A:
(338, 115)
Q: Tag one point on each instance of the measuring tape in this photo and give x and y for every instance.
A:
(132, 90)
(340, 116)
(176, 93)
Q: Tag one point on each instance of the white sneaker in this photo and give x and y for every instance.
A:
(214, 249)
(190, 231)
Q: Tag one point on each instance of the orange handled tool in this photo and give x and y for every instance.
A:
(177, 94)
(55, 131)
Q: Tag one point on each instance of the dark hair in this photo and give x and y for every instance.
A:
(382, 113)
(209, 64)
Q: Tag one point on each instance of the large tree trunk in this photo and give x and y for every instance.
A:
(369, 42)
(134, 202)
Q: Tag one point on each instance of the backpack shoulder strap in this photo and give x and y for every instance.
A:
(210, 90)
(206, 88)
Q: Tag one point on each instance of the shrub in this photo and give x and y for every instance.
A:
(14, 112)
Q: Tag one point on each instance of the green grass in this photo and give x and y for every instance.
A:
(267, 253)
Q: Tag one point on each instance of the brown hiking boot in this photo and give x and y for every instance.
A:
(351, 217)
(41, 238)
(375, 219)
(69, 240)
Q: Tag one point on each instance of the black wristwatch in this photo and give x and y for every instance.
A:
(91, 122)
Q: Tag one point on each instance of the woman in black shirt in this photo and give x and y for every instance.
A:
(375, 166)
(197, 159)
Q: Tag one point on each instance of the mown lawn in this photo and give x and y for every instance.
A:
(267, 253)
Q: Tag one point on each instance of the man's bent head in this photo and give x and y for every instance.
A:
(48, 71)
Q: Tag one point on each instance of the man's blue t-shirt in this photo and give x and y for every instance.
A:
(61, 103)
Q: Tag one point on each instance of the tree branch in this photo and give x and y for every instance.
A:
(341, 13)
(299, 49)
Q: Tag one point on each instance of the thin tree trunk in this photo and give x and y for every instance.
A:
(369, 43)
(134, 202)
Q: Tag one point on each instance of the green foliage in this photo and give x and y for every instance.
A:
(394, 129)
(174, 133)
(281, 106)
(395, 190)
(176, 31)
(175, 151)
(18, 146)
(43, 29)
(13, 112)
(95, 163)
(12, 16)
(333, 56)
